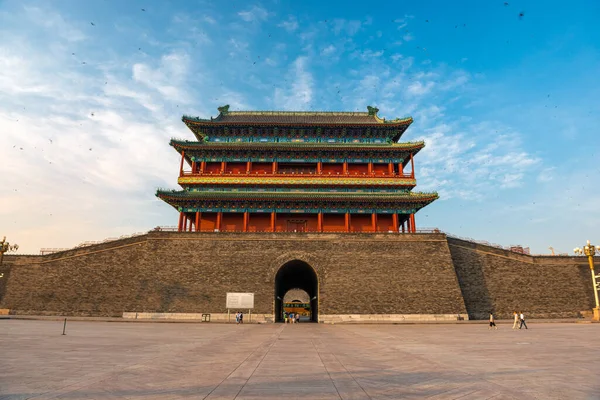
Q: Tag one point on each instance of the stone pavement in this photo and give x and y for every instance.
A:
(103, 360)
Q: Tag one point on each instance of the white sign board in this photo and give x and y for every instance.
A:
(240, 300)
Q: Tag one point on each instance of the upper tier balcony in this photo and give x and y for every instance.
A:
(274, 169)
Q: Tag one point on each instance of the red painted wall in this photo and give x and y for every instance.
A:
(208, 221)
(260, 222)
(360, 223)
(334, 223)
(333, 169)
(236, 168)
(233, 222)
(385, 222)
(358, 169)
(381, 169)
(212, 167)
(262, 168)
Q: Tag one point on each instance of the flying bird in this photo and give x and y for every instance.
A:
(143, 9)
(92, 24)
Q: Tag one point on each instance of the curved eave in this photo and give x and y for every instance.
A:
(306, 181)
(399, 122)
(187, 145)
(397, 126)
(410, 197)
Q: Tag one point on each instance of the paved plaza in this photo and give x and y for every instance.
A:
(109, 360)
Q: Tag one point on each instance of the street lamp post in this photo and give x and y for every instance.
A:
(590, 250)
(5, 247)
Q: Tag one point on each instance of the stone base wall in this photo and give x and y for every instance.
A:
(171, 272)
(362, 277)
(501, 281)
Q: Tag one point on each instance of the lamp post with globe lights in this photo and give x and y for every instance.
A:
(590, 250)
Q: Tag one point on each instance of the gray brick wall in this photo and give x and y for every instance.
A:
(191, 272)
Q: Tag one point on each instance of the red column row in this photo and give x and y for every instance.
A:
(201, 167)
(186, 224)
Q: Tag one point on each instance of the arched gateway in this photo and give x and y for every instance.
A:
(296, 274)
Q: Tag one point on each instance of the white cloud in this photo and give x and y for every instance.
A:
(403, 22)
(166, 77)
(408, 37)
(299, 95)
(290, 25)
(344, 26)
(328, 51)
(419, 89)
(209, 19)
(255, 14)
(54, 23)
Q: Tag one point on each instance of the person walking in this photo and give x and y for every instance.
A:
(516, 323)
(522, 318)
(241, 317)
(285, 317)
(492, 322)
(237, 317)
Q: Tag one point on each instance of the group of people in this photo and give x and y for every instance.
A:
(518, 317)
(239, 318)
(292, 318)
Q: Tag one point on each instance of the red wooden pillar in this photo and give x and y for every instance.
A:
(412, 223)
(320, 221)
(400, 169)
(319, 167)
(274, 167)
(395, 222)
(181, 165)
(374, 222)
(246, 218)
(202, 166)
(249, 167)
(412, 167)
(345, 168)
(193, 167)
(370, 168)
(223, 166)
(219, 218)
(347, 222)
(390, 169)
(184, 223)
(273, 217)
(180, 224)
(197, 221)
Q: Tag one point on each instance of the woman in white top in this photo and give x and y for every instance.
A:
(492, 322)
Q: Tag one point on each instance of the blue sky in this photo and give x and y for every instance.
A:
(509, 105)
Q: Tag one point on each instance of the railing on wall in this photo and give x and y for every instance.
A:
(46, 251)
(174, 229)
(514, 248)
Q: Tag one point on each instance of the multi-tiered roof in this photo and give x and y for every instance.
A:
(303, 162)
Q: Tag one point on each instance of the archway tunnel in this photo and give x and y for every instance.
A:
(296, 274)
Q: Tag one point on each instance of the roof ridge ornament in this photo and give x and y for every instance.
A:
(224, 109)
(373, 110)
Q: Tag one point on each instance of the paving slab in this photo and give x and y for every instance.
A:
(105, 360)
